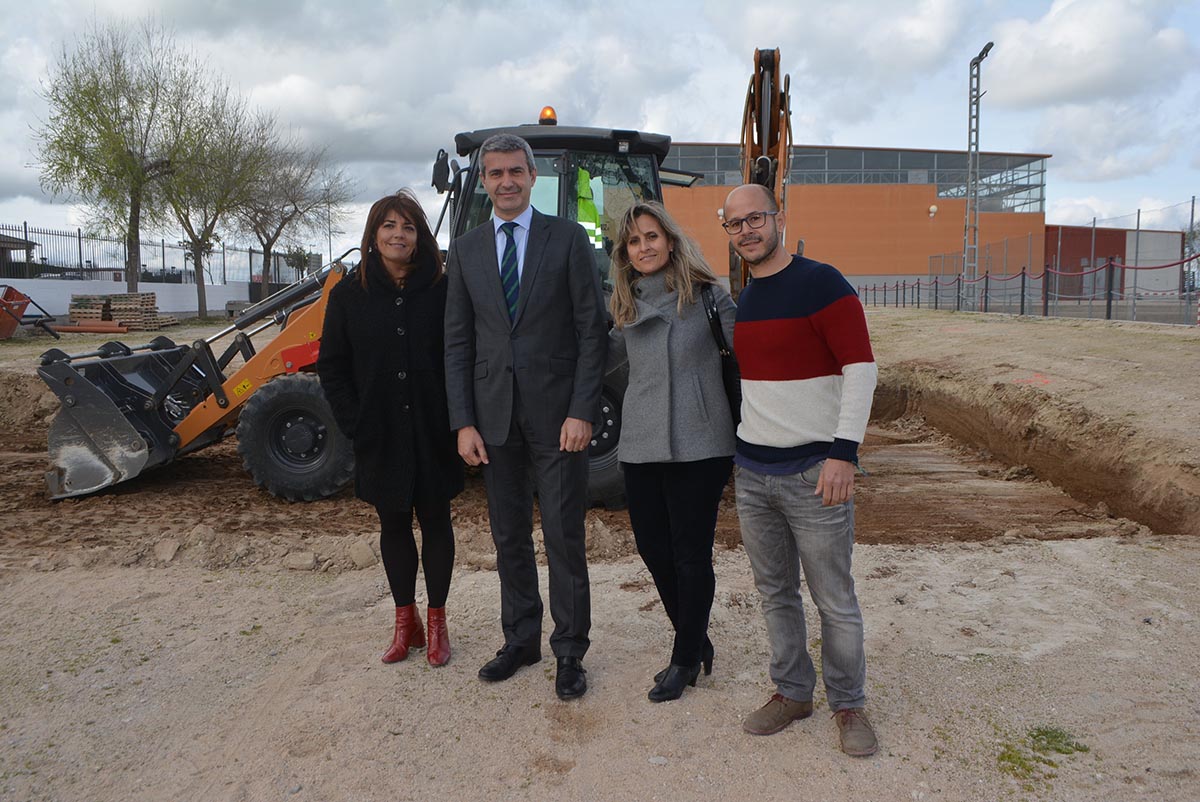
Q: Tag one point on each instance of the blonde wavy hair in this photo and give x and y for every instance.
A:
(685, 268)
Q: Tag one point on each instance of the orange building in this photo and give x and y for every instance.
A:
(879, 215)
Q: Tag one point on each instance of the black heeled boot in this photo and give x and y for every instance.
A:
(706, 658)
(673, 682)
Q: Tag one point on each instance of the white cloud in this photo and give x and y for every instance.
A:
(847, 57)
(1157, 213)
(1086, 51)
(1109, 143)
(37, 212)
(384, 85)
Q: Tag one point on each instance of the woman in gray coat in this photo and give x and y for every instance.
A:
(677, 434)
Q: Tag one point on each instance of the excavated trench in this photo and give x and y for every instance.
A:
(1098, 461)
(949, 459)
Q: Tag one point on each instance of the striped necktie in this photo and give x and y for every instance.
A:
(508, 269)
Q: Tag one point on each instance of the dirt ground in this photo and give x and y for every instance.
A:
(1026, 566)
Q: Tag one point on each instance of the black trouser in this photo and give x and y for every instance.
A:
(398, 547)
(673, 511)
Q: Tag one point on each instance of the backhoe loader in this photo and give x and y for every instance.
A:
(126, 410)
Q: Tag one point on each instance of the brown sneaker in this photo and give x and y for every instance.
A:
(776, 714)
(855, 733)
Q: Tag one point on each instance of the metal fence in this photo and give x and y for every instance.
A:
(1109, 291)
(1005, 257)
(30, 252)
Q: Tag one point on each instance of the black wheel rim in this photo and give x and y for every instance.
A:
(297, 439)
(607, 430)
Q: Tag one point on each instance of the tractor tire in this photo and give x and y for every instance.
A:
(606, 480)
(289, 442)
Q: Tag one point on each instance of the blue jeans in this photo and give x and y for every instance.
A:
(784, 528)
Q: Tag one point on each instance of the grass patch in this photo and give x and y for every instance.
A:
(1029, 758)
(1055, 739)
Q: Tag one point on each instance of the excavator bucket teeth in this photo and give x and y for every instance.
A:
(91, 444)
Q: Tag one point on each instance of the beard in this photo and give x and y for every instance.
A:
(771, 244)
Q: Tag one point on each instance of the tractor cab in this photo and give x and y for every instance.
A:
(589, 175)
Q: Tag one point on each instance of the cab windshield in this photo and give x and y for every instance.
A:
(593, 189)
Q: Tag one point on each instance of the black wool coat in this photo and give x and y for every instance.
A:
(382, 369)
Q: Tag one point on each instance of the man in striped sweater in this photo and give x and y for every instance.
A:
(808, 376)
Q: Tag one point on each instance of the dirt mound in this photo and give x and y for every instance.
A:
(26, 408)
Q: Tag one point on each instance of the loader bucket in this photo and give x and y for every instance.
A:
(108, 429)
(91, 444)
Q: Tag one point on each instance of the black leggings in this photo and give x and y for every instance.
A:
(398, 547)
(673, 511)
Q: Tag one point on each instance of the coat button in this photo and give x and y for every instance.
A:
(401, 375)
(404, 407)
(400, 331)
(399, 300)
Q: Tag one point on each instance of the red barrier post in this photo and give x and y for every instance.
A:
(1046, 291)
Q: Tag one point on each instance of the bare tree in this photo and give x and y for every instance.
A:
(228, 146)
(117, 114)
(298, 195)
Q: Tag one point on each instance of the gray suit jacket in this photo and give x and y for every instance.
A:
(553, 352)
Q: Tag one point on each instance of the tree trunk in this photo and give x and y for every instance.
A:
(133, 243)
(198, 267)
(268, 268)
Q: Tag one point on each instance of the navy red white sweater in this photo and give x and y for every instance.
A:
(808, 374)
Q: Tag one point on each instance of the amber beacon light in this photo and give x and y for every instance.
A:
(548, 116)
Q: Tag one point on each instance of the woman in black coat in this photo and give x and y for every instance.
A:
(381, 368)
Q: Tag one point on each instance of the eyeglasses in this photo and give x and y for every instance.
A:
(754, 220)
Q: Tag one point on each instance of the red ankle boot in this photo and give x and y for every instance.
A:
(408, 634)
(439, 638)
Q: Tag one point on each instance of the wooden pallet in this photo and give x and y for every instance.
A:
(137, 311)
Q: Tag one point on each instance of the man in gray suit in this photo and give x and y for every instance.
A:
(525, 348)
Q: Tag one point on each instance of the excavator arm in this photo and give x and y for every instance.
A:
(766, 140)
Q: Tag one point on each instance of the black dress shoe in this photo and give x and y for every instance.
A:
(508, 660)
(571, 681)
(673, 682)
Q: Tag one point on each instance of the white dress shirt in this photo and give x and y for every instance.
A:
(520, 236)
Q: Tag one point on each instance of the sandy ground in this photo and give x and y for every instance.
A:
(185, 636)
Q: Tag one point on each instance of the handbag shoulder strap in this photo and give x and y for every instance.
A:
(714, 320)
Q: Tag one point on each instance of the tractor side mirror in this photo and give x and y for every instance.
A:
(441, 171)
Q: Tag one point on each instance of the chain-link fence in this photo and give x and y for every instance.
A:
(1110, 291)
(1005, 257)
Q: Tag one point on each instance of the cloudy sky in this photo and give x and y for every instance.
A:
(1108, 87)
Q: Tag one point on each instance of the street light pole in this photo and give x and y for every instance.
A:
(971, 225)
